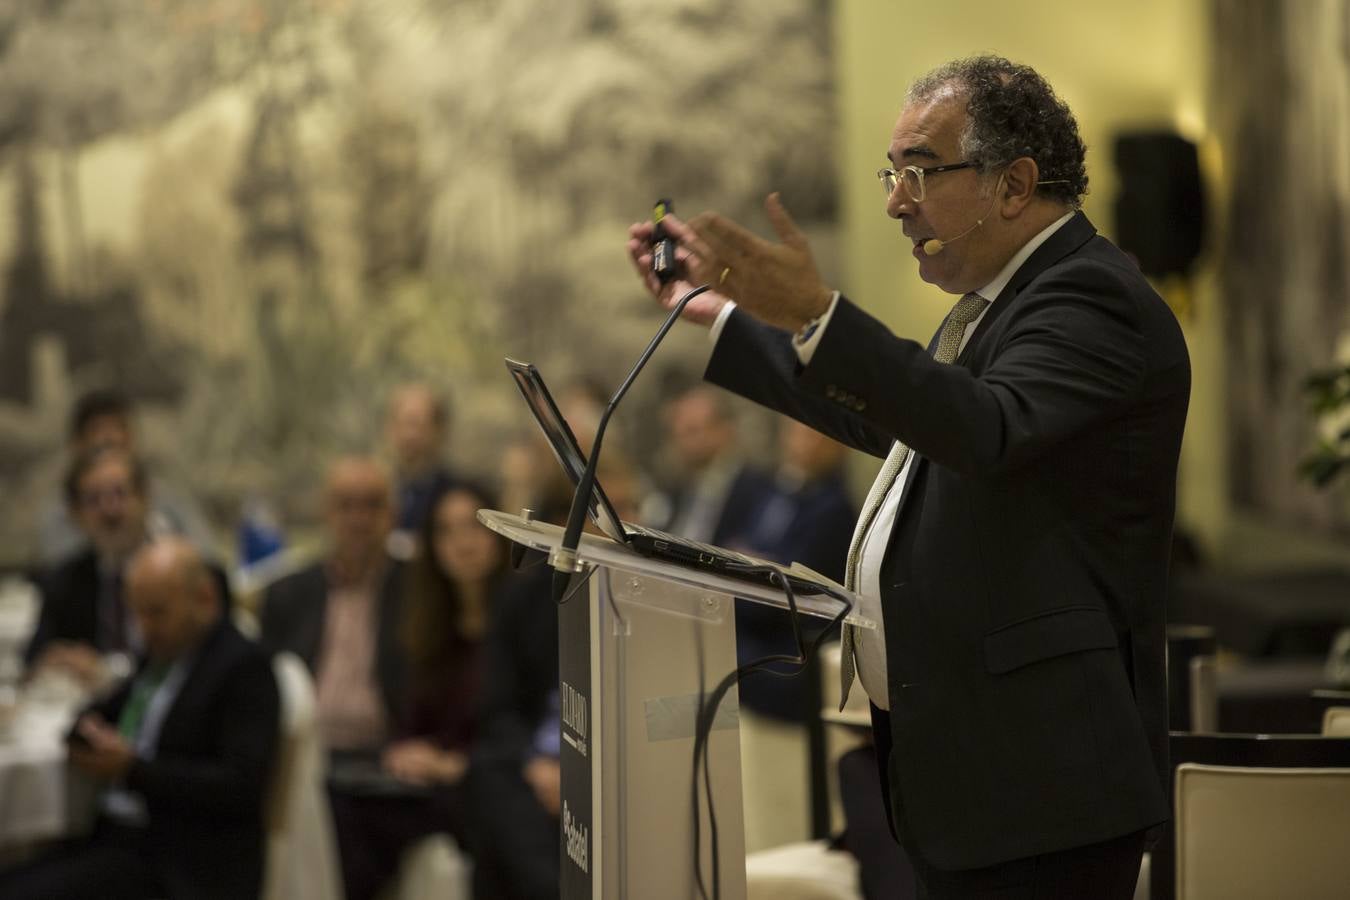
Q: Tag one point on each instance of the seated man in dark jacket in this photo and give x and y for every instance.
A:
(185, 748)
(83, 612)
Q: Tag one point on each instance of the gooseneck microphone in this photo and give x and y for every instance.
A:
(933, 246)
(564, 558)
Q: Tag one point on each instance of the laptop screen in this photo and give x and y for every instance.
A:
(564, 443)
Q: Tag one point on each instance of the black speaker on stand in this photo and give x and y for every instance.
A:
(1160, 210)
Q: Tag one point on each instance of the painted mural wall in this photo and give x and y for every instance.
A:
(256, 216)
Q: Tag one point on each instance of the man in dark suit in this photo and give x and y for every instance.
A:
(186, 748)
(83, 617)
(417, 425)
(1017, 559)
(719, 495)
(83, 614)
(341, 616)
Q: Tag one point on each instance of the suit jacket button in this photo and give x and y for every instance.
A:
(831, 391)
(862, 404)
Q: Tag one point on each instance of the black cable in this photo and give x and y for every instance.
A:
(693, 782)
(706, 713)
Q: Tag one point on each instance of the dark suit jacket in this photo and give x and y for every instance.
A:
(520, 671)
(293, 614)
(69, 605)
(1023, 586)
(746, 495)
(811, 524)
(204, 789)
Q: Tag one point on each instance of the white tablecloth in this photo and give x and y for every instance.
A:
(38, 798)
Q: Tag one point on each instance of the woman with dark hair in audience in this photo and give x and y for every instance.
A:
(421, 789)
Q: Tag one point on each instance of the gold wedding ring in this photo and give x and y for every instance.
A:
(723, 279)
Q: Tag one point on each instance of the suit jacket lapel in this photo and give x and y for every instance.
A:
(1068, 239)
(1074, 234)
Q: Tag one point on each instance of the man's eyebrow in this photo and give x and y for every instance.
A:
(918, 151)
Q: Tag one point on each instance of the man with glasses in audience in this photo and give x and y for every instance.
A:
(104, 418)
(84, 616)
(340, 616)
(1016, 559)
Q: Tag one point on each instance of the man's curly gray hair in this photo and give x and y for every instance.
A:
(1013, 112)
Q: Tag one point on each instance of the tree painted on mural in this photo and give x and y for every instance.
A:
(339, 194)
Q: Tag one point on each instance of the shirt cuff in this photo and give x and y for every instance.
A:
(806, 340)
(720, 322)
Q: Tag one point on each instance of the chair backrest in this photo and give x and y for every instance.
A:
(1262, 832)
(1204, 694)
(297, 726)
(1281, 751)
(301, 846)
(1336, 721)
(1184, 644)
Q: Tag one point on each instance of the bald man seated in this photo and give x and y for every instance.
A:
(184, 751)
(341, 616)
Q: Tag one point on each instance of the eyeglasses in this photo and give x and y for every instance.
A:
(912, 178)
(359, 502)
(95, 497)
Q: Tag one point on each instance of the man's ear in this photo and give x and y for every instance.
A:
(1019, 186)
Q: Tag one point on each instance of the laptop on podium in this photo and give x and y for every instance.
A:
(646, 541)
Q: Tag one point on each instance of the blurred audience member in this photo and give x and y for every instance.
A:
(185, 748)
(83, 613)
(526, 468)
(720, 496)
(516, 785)
(450, 590)
(341, 616)
(808, 519)
(104, 419)
(416, 428)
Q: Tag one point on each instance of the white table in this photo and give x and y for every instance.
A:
(39, 798)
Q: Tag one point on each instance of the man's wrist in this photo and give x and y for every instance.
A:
(807, 338)
(715, 330)
(822, 305)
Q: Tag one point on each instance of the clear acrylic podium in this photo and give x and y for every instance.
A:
(638, 647)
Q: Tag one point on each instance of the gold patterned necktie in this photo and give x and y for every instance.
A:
(966, 310)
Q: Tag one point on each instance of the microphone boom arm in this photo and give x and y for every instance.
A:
(564, 557)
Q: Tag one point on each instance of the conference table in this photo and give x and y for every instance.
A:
(40, 798)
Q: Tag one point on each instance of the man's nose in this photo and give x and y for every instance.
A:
(898, 203)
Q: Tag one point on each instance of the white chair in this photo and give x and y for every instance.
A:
(435, 869)
(1204, 694)
(811, 870)
(1336, 721)
(301, 846)
(805, 871)
(1249, 833)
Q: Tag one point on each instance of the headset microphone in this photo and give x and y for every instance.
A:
(933, 246)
